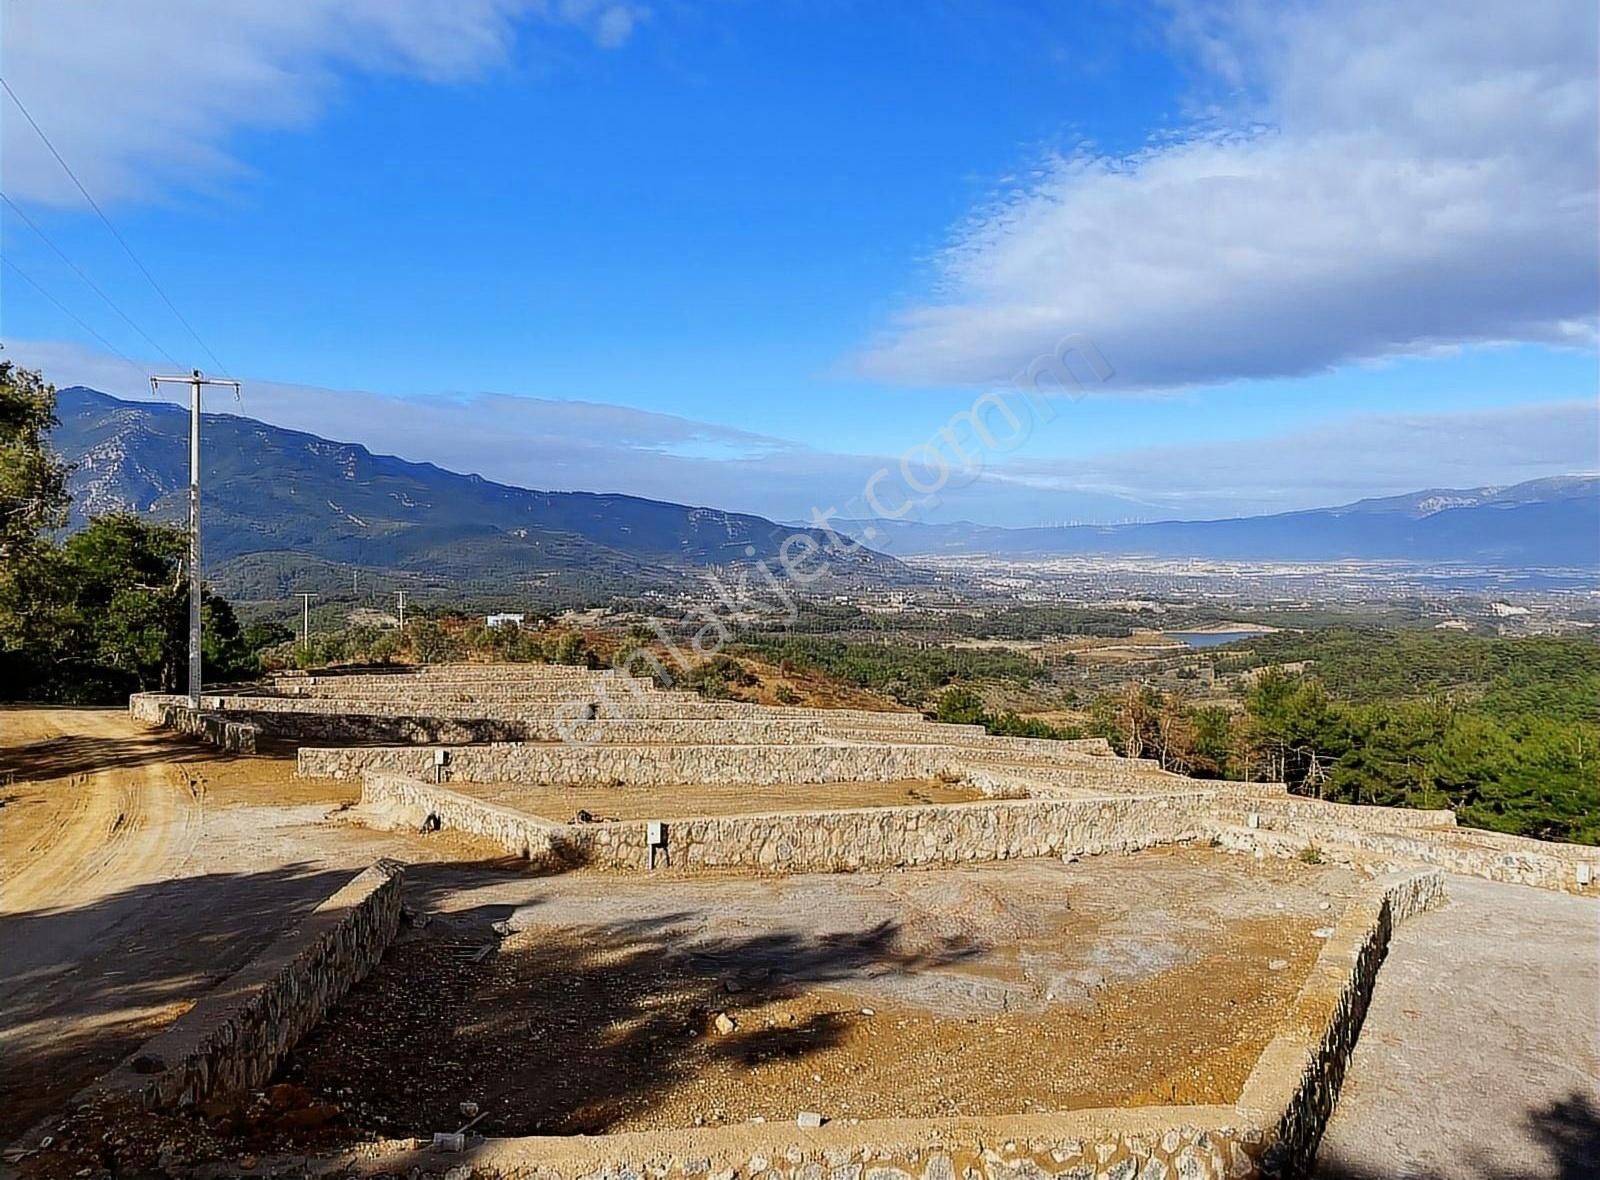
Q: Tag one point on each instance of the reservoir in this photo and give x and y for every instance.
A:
(1209, 638)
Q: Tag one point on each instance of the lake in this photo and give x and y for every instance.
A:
(1209, 638)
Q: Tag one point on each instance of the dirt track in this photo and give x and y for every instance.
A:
(122, 820)
(138, 869)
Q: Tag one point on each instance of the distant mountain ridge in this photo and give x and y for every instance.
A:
(286, 510)
(284, 506)
(1543, 523)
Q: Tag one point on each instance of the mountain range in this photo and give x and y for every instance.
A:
(1542, 523)
(286, 510)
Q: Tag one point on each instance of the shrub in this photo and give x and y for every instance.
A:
(959, 706)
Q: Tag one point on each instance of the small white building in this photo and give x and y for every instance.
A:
(504, 620)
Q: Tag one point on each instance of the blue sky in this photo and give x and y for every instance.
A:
(747, 254)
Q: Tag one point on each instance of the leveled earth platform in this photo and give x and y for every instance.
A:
(601, 1005)
(561, 804)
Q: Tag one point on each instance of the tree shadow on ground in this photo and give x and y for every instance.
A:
(84, 986)
(573, 1030)
(1568, 1129)
(62, 757)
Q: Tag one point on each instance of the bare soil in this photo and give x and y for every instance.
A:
(140, 868)
(562, 803)
(1000, 989)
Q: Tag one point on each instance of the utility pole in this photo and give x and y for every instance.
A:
(402, 595)
(305, 618)
(194, 380)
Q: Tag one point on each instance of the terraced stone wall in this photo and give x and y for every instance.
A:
(1288, 812)
(1514, 860)
(1295, 1083)
(235, 735)
(237, 1034)
(648, 766)
(732, 763)
(1149, 1143)
(832, 841)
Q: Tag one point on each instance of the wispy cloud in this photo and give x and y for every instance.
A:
(1336, 461)
(1377, 179)
(562, 444)
(144, 95)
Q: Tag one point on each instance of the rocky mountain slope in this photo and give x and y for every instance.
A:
(285, 509)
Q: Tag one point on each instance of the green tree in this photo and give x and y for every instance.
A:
(718, 677)
(225, 654)
(960, 706)
(430, 643)
(127, 616)
(1213, 741)
(266, 633)
(1290, 721)
(570, 647)
(33, 481)
(33, 502)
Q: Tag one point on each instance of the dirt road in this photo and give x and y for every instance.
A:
(136, 870)
(74, 835)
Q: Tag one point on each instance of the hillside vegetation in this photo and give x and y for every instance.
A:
(1504, 730)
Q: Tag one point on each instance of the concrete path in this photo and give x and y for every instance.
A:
(1480, 1057)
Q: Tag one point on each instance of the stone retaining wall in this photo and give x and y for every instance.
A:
(832, 841)
(343, 721)
(1003, 777)
(1292, 811)
(727, 764)
(648, 766)
(238, 1033)
(235, 736)
(560, 708)
(618, 696)
(1295, 1083)
(356, 719)
(1141, 1143)
(1514, 860)
(353, 721)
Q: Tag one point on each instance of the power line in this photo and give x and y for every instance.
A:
(99, 212)
(93, 286)
(70, 314)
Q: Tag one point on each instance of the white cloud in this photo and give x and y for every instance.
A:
(569, 445)
(143, 95)
(1387, 179)
(616, 25)
(1336, 461)
(557, 444)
